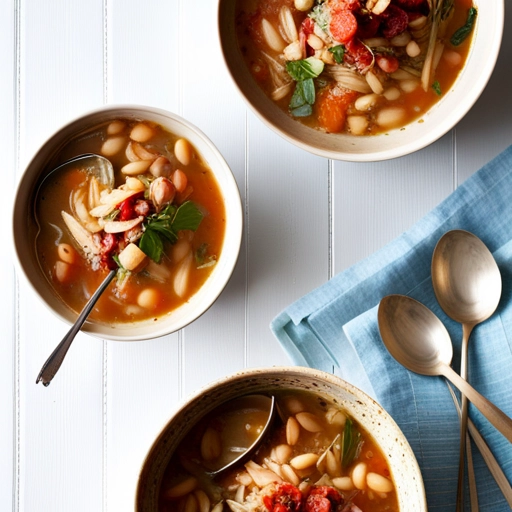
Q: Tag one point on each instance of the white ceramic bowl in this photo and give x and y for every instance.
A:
(24, 234)
(368, 413)
(441, 118)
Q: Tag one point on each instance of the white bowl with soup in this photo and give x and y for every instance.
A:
(170, 225)
(330, 441)
(360, 80)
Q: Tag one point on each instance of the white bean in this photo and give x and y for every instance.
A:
(378, 483)
(409, 85)
(113, 145)
(315, 42)
(364, 103)
(62, 271)
(148, 298)
(289, 474)
(412, 49)
(303, 5)
(179, 178)
(182, 488)
(142, 132)
(390, 117)
(293, 405)
(401, 39)
(357, 124)
(116, 127)
(67, 253)
(202, 500)
(304, 461)
(309, 422)
(292, 431)
(211, 445)
(452, 57)
(374, 82)
(282, 453)
(359, 475)
(136, 168)
(183, 151)
(343, 483)
(391, 94)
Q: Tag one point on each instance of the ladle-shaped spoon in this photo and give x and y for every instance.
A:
(101, 168)
(418, 340)
(259, 402)
(467, 284)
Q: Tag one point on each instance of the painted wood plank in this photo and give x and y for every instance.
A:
(60, 433)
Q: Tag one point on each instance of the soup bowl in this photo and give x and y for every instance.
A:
(25, 228)
(400, 459)
(429, 127)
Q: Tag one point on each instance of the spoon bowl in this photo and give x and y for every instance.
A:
(418, 340)
(102, 169)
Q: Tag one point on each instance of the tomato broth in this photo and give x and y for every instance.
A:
(355, 66)
(160, 182)
(316, 457)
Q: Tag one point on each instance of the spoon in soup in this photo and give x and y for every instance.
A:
(418, 340)
(101, 168)
(467, 284)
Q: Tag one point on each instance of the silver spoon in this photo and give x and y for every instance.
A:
(102, 169)
(418, 340)
(467, 284)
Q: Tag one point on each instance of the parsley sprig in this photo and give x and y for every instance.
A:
(165, 225)
(303, 72)
(351, 443)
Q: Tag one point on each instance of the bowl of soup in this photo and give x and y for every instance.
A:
(360, 80)
(328, 444)
(160, 210)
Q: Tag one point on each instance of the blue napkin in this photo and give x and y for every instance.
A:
(334, 328)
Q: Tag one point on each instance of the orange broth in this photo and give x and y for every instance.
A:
(186, 483)
(406, 96)
(122, 301)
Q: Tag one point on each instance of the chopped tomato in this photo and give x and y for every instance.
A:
(357, 54)
(343, 25)
(324, 499)
(395, 21)
(367, 24)
(332, 104)
(286, 498)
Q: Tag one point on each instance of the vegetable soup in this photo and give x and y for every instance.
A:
(316, 458)
(159, 224)
(355, 66)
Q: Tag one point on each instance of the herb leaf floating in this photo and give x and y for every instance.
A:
(463, 32)
(303, 71)
(351, 443)
(164, 226)
(338, 53)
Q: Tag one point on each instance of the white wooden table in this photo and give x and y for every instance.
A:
(78, 444)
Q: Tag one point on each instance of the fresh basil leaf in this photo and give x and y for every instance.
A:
(305, 68)
(304, 111)
(188, 216)
(351, 443)
(151, 244)
(437, 88)
(463, 32)
(297, 99)
(308, 90)
(338, 53)
(164, 230)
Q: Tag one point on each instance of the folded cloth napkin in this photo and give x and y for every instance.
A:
(334, 328)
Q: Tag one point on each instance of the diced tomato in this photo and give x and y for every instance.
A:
(286, 498)
(343, 25)
(109, 244)
(126, 207)
(308, 26)
(395, 21)
(331, 107)
(350, 5)
(388, 63)
(324, 499)
(410, 5)
(357, 54)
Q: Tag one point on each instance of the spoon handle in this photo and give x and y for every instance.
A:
(52, 364)
(495, 415)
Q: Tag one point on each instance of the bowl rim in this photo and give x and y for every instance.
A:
(446, 123)
(247, 374)
(32, 174)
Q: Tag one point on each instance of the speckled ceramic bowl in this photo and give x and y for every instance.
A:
(402, 462)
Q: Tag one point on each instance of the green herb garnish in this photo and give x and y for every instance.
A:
(338, 52)
(437, 88)
(303, 71)
(463, 32)
(164, 226)
(351, 443)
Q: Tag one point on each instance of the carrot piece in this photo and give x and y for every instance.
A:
(332, 104)
(343, 25)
